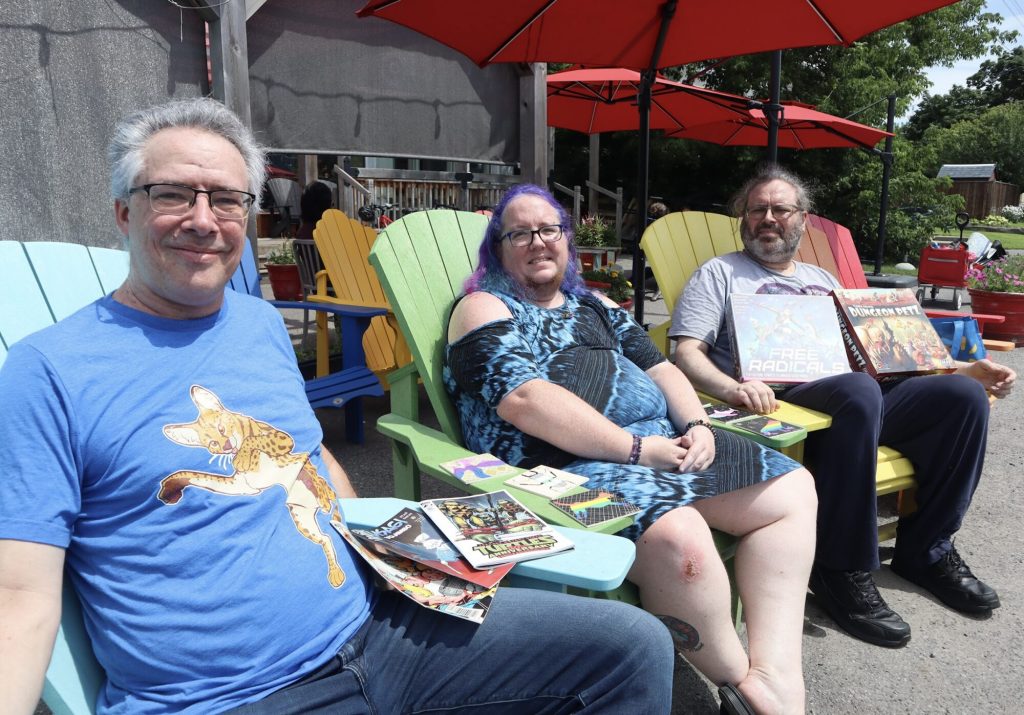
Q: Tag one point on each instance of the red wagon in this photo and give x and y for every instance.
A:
(943, 265)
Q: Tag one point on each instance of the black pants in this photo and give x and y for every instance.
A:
(939, 422)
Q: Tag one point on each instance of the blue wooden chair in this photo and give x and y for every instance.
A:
(598, 562)
(45, 282)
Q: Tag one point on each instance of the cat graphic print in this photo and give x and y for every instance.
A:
(261, 457)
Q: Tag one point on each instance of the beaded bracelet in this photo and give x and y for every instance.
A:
(693, 423)
(634, 454)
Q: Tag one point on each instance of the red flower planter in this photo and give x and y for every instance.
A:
(285, 281)
(1010, 305)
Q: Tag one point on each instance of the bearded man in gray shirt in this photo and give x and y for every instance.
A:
(939, 422)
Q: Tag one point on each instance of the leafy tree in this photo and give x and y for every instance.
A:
(1001, 80)
(996, 135)
(846, 81)
(945, 110)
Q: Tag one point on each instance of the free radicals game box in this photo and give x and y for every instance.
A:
(785, 339)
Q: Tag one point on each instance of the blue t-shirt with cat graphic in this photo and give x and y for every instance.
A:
(178, 463)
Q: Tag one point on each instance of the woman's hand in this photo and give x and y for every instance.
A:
(662, 453)
(699, 443)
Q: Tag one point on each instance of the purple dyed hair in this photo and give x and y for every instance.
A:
(491, 274)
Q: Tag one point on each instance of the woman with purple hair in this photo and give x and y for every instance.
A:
(543, 371)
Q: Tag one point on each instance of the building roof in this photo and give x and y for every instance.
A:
(968, 171)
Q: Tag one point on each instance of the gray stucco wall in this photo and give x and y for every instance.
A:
(68, 71)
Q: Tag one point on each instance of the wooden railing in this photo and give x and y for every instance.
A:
(410, 190)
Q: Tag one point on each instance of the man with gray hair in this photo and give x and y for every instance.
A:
(939, 422)
(141, 438)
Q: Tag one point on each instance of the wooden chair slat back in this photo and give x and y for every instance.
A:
(423, 260)
(344, 245)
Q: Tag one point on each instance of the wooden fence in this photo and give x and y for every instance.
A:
(986, 197)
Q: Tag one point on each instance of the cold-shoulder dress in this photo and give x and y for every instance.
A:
(599, 354)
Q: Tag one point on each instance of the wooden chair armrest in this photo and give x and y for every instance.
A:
(659, 334)
(599, 562)
(430, 448)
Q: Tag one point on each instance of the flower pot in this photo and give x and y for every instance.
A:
(600, 285)
(1010, 305)
(626, 304)
(285, 281)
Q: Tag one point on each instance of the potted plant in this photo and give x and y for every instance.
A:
(594, 237)
(283, 272)
(612, 282)
(997, 287)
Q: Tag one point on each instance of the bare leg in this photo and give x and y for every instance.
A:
(683, 581)
(776, 525)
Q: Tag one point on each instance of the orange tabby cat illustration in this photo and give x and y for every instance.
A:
(261, 456)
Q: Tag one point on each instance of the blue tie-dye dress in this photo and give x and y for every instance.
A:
(599, 354)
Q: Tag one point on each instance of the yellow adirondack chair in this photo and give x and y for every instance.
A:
(676, 244)
(344, 246)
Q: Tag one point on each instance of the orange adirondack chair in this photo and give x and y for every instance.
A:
(344, 246)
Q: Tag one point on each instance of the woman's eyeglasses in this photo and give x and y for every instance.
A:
(524, 236)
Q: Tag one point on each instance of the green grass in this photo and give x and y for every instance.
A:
(1009, 240)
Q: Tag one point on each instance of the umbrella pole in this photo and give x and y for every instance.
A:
(890, 123)
(668, 11)
(774, 107)
(644, 105)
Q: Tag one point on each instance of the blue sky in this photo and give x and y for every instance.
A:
(945, 77)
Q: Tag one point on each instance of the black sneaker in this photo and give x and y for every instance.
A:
(854, 603)
(950, 580)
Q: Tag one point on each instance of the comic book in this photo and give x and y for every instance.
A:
(426, 586)
(477, 467)
(785, 339)
(494, 528)
(748, 421)
(888, 335)
(546, 481)
(595, 506)
(410, 535)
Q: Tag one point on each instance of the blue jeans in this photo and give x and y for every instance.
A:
(536, 652)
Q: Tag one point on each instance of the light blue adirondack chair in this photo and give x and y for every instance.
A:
(45, 282)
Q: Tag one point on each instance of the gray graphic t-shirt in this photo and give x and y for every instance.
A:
(700, 311)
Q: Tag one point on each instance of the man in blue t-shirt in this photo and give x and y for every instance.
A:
(158, 444)
(939, 422)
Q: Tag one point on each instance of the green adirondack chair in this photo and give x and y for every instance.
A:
(422, 261)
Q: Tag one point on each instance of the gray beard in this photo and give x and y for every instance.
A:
(778, 252)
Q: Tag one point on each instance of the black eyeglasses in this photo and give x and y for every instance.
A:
(177, 200)
(524, 236)
(779, 211)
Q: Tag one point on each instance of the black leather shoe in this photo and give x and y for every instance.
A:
(950, 580)
(854, 603)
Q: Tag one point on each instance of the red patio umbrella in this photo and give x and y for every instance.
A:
(613, 33)
(605, 100)
(640, 34)
(800, 127)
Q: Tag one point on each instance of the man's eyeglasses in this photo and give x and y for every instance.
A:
(177, 200)
(779, 211)
(524, 236)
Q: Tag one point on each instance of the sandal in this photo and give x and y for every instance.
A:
(733, 702)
